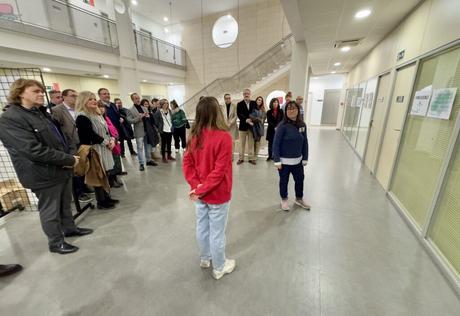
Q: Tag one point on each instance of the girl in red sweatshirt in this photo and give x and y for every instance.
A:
(207, 167)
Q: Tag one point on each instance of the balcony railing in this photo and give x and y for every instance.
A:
(156, 50)
(55, 19)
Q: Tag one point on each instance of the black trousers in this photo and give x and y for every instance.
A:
(179, 137)
(166, 139)
(130, 146)
(101, 195)
(270, 149)
(55, 212)
(298, 175)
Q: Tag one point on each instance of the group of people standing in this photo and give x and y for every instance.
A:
(82, 139)
(207, 163)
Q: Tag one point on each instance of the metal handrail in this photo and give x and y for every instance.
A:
(153, 46)
(259, 59)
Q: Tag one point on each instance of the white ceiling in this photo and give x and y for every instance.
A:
(184, 10)
(327, 21)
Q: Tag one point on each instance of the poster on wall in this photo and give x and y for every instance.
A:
(441, 103)
(421, 102)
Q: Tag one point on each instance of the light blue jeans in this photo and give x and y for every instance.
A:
(211, 221)
(144, 150)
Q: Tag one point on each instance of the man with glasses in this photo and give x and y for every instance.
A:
(55, 98)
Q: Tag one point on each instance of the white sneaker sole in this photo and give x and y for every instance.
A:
(205, 265)
(302, 206)
(219, 276)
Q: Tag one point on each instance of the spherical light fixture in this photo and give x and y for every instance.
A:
(225, 31)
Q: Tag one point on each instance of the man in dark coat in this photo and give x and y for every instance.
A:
(41, 158)
(243, 109)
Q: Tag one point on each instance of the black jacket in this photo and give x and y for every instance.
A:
(125, 126)
(38, 155)
(272, 123)
(243, 113)
(86, 133)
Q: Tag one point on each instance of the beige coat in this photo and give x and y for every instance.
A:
(231, 121)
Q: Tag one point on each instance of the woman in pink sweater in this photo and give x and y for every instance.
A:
(207, 167)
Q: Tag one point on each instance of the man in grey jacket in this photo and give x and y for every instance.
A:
(42, 161)
(138, 116)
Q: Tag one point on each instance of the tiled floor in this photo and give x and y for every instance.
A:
(351, 255)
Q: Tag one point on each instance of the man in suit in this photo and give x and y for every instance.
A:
(243, 109)
(55, 98)
(139, 115)
(229, 112)
(64, 114)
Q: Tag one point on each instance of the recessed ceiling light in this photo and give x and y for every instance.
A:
(362, 14)
(46, 69)
(166, 30)
(165, 19)
(134, 2)
(345, 48)
(337, 64)
(105, 76)
(333, 72)
(144, 80)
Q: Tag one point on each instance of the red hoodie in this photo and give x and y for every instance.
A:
(210, 166)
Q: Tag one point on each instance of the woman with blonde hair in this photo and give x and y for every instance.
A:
(93, 130)
(207, 167)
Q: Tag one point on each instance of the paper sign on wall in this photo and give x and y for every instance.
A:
(421, 102)
(441, 103)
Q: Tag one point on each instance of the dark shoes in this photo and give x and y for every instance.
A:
(239, 162)
(105, 206)
(141, 168)
(112, 201)
(63, 248)
(79, 232)
(116, 184)
(123, 173)
(269, 158)
(253, 162)
(151, 163)
(133, 153)
(9, 269)
(171, 158)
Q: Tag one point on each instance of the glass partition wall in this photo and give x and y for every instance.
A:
(426, 177)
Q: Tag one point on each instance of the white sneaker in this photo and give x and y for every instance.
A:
(302, 204)
(205, 264)
(285, 205)
(229, 266)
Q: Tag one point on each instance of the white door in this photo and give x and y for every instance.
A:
(376, 124)
(396, 116)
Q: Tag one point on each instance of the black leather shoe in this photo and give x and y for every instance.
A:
(123, 173)
(64, 248)
(79, 232)
(105, 206)
(112, 201)
(8, 269)
(115, 184)
(151, 163)
(141, 168)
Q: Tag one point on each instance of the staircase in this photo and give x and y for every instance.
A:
(266, 64)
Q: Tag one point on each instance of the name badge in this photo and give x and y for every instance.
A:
(302, 129)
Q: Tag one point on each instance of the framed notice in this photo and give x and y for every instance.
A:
(421, 102)
(441, 103)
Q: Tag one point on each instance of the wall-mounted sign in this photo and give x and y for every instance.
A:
(400, 99)
(400, 55)
(421, 102)
(441, 103)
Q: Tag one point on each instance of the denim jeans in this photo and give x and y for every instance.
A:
(211, 221)
(144, 150)
(298, 175)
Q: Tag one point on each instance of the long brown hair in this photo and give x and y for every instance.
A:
(19, 86)
(208, 116)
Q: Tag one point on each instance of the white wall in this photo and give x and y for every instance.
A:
(176, 92)
(174, 36)
(105, 6)
(316, 88)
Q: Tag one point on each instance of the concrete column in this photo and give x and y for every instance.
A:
(129, 80)
(298, 79)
